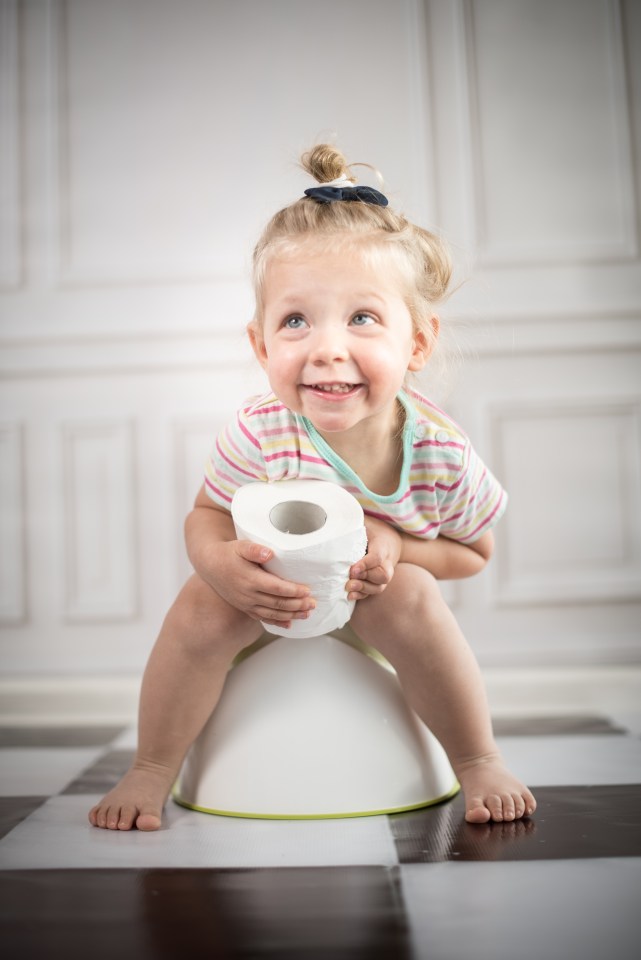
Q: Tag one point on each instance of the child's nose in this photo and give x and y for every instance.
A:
(328, 347)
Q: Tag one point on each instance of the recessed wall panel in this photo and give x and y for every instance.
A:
(192, 443)
(179, 127)
(551, 155)
(100, 521)
(573, 531)
(13, 561)
(10, 152)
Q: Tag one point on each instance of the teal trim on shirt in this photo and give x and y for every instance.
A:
(346, 471)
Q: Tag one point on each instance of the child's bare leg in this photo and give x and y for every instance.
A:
(182, 683)
(412, 626)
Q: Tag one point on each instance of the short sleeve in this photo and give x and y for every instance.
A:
(236, 458)
(474, 502)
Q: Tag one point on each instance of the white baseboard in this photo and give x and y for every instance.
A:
(69, 701)
(609, 691)
(92, 701)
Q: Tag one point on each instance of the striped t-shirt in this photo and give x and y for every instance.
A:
(444, 487)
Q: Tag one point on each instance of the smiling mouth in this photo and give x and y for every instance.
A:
(332, 387)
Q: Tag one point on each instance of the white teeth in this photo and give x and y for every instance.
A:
(333, 387)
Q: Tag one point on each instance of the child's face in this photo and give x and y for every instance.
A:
(337, 339)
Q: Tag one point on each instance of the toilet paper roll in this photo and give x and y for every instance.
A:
(316, 530)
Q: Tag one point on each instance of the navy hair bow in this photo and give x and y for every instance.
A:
(329, 194)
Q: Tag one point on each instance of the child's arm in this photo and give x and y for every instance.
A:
(233, 569)
(445, 559)
(448, 559)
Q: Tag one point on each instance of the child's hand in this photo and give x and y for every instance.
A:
(372, 574)
(261, 595)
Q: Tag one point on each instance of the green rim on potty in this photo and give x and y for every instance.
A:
(313, 729)
(313, 723)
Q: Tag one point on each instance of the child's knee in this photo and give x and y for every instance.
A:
(413, 597)
(417, 590)
(201, 616)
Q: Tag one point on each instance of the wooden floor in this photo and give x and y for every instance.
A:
(565, 884)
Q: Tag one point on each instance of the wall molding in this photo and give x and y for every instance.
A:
(533, 691)
(68, 700)
(547, 334)
(77, 356)
(148, 353)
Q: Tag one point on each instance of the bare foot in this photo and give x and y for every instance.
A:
(137, 801)
(492, 793)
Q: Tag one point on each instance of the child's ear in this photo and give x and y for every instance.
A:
(424, 343)
(258, 343)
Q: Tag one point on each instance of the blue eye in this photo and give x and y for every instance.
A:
(362, 320)
(294, 323)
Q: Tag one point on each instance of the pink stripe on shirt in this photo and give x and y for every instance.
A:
(259, 411)
(485, 522)
(231, 463)
(219, 493)
(250, 436)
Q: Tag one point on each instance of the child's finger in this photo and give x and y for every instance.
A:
(269, 582)
(277, 587)
(372, 567)
(363, 569)
(282, 605)
(276, 623)
(378, 574)
(273, 615)
(254, 552)
(358, 589)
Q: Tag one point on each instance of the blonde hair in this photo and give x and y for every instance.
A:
(422, 258)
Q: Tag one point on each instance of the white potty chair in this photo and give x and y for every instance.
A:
(313, 728)
(309, 725)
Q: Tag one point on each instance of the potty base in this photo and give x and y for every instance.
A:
(312, 729)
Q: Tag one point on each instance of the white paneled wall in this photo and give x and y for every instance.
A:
(565, 60)
(100, 542)
(547, 453)
(143, 143)
(13, 555)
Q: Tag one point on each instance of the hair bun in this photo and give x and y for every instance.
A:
(325, 163)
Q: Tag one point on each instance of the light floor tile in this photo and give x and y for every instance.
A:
(33, 771)
(572, 910)
(57, 835)
(566, 761)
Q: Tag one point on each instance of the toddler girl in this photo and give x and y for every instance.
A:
(345, 295)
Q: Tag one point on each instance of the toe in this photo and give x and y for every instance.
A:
(112, 818)
(495, 805)
(477, 812)
(126, 818)
(149, 819)
(509, 807)
(100, 817)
